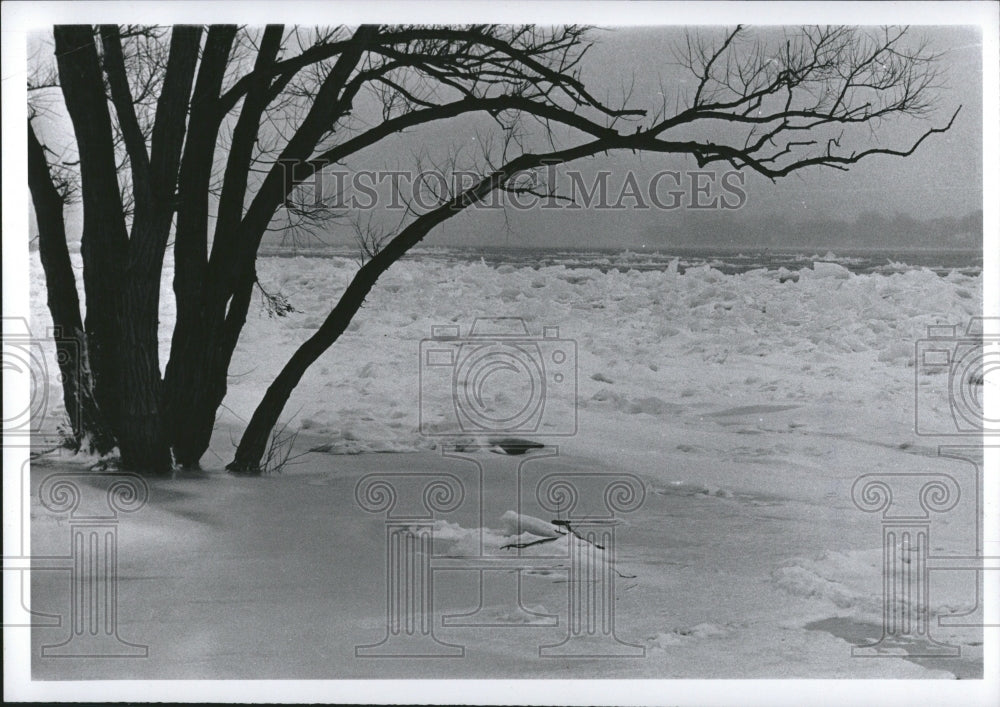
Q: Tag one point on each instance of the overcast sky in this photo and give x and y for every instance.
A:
(943, 178)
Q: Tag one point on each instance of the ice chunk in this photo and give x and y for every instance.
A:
(513, 523)
(829, 270)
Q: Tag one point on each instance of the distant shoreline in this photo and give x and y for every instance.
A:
(727, 259)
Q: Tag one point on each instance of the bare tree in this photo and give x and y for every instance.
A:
(238, 120)
(774, 111)
(49, 194)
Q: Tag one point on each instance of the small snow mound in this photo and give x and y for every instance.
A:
(574, 278)
(661, 641)
(510, 294)
(683, 635)
(805, 582)
(892, 266)
(537, 615)
(455, 540)
(897, 352)
(705, 273)
(705, 630)
(689, 489)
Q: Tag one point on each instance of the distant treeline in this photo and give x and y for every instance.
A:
(867, 230)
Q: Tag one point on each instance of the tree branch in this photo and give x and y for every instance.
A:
(121, 97)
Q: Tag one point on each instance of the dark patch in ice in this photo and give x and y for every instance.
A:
(161, 495)
(859, 633)
(906, 447)
(516, 445)
(752, 410)
(209, 518)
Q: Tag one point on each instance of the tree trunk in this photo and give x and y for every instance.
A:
(254, 442)
(196, 386)
(141, 438)
(122, 272)
(64, 305)
(104, 240)
(195, 379)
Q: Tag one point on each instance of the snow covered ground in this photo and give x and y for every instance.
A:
(747, 404)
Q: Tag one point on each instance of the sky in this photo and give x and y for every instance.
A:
(942, 179)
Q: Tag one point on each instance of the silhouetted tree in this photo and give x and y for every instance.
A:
(208, 135)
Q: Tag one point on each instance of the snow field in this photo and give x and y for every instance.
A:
(748, 403)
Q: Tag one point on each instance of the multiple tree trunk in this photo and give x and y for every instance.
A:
(156, 421)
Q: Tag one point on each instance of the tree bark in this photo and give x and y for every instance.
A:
(121, 272)
(144, 430)
(200, 384)
(104, 239)
(195, 380)
(64, 306)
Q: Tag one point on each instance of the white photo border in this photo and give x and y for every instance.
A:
(19, 18)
